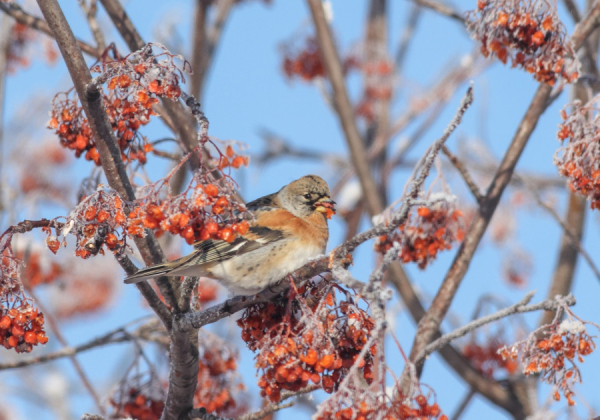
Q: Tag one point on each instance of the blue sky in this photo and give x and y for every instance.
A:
(246, 92)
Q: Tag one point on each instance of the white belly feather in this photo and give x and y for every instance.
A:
(243, 275)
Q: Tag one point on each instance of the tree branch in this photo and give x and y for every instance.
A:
(344, 109)
(108, 149)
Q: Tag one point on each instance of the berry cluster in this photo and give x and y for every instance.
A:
(96, 221)
(306, 64)
(206, 209)
(485, 358)
(528, 33)
(431, 230)
(547, 354)
(579, 157)
(135, 83)
(21, 327)
(137, 405)
(217, 379)
(359, 403)
(318, 341)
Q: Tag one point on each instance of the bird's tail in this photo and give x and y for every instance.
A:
(150, 272)
(183, 266)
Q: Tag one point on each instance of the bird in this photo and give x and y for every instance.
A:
(289, 229)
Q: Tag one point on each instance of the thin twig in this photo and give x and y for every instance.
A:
(518, 308)
(264, 412)
(463, 404)
(462, 169)
(109, 338)
(90, 14)
(570, 234)
(198, 45)
(441, 8)
(407, 37)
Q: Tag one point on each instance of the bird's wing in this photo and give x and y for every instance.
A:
(263, 203)
(210, 251)
(214, 250)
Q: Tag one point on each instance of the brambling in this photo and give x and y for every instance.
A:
(289, 229)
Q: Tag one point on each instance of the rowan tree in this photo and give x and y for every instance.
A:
(120, 149)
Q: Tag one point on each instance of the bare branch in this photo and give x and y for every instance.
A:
(207, 51)
(574, 237)
(462, 169)
(198, 45)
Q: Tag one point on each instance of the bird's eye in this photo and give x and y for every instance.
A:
(307, 196)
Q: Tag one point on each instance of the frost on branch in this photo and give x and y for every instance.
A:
(579, 157)
(552, 351)
(313, 338)
(529, 34)
(134, 84)
(427, 231)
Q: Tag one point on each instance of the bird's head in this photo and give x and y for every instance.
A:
(307, 195)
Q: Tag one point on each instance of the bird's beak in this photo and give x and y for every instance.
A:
(323, 204)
